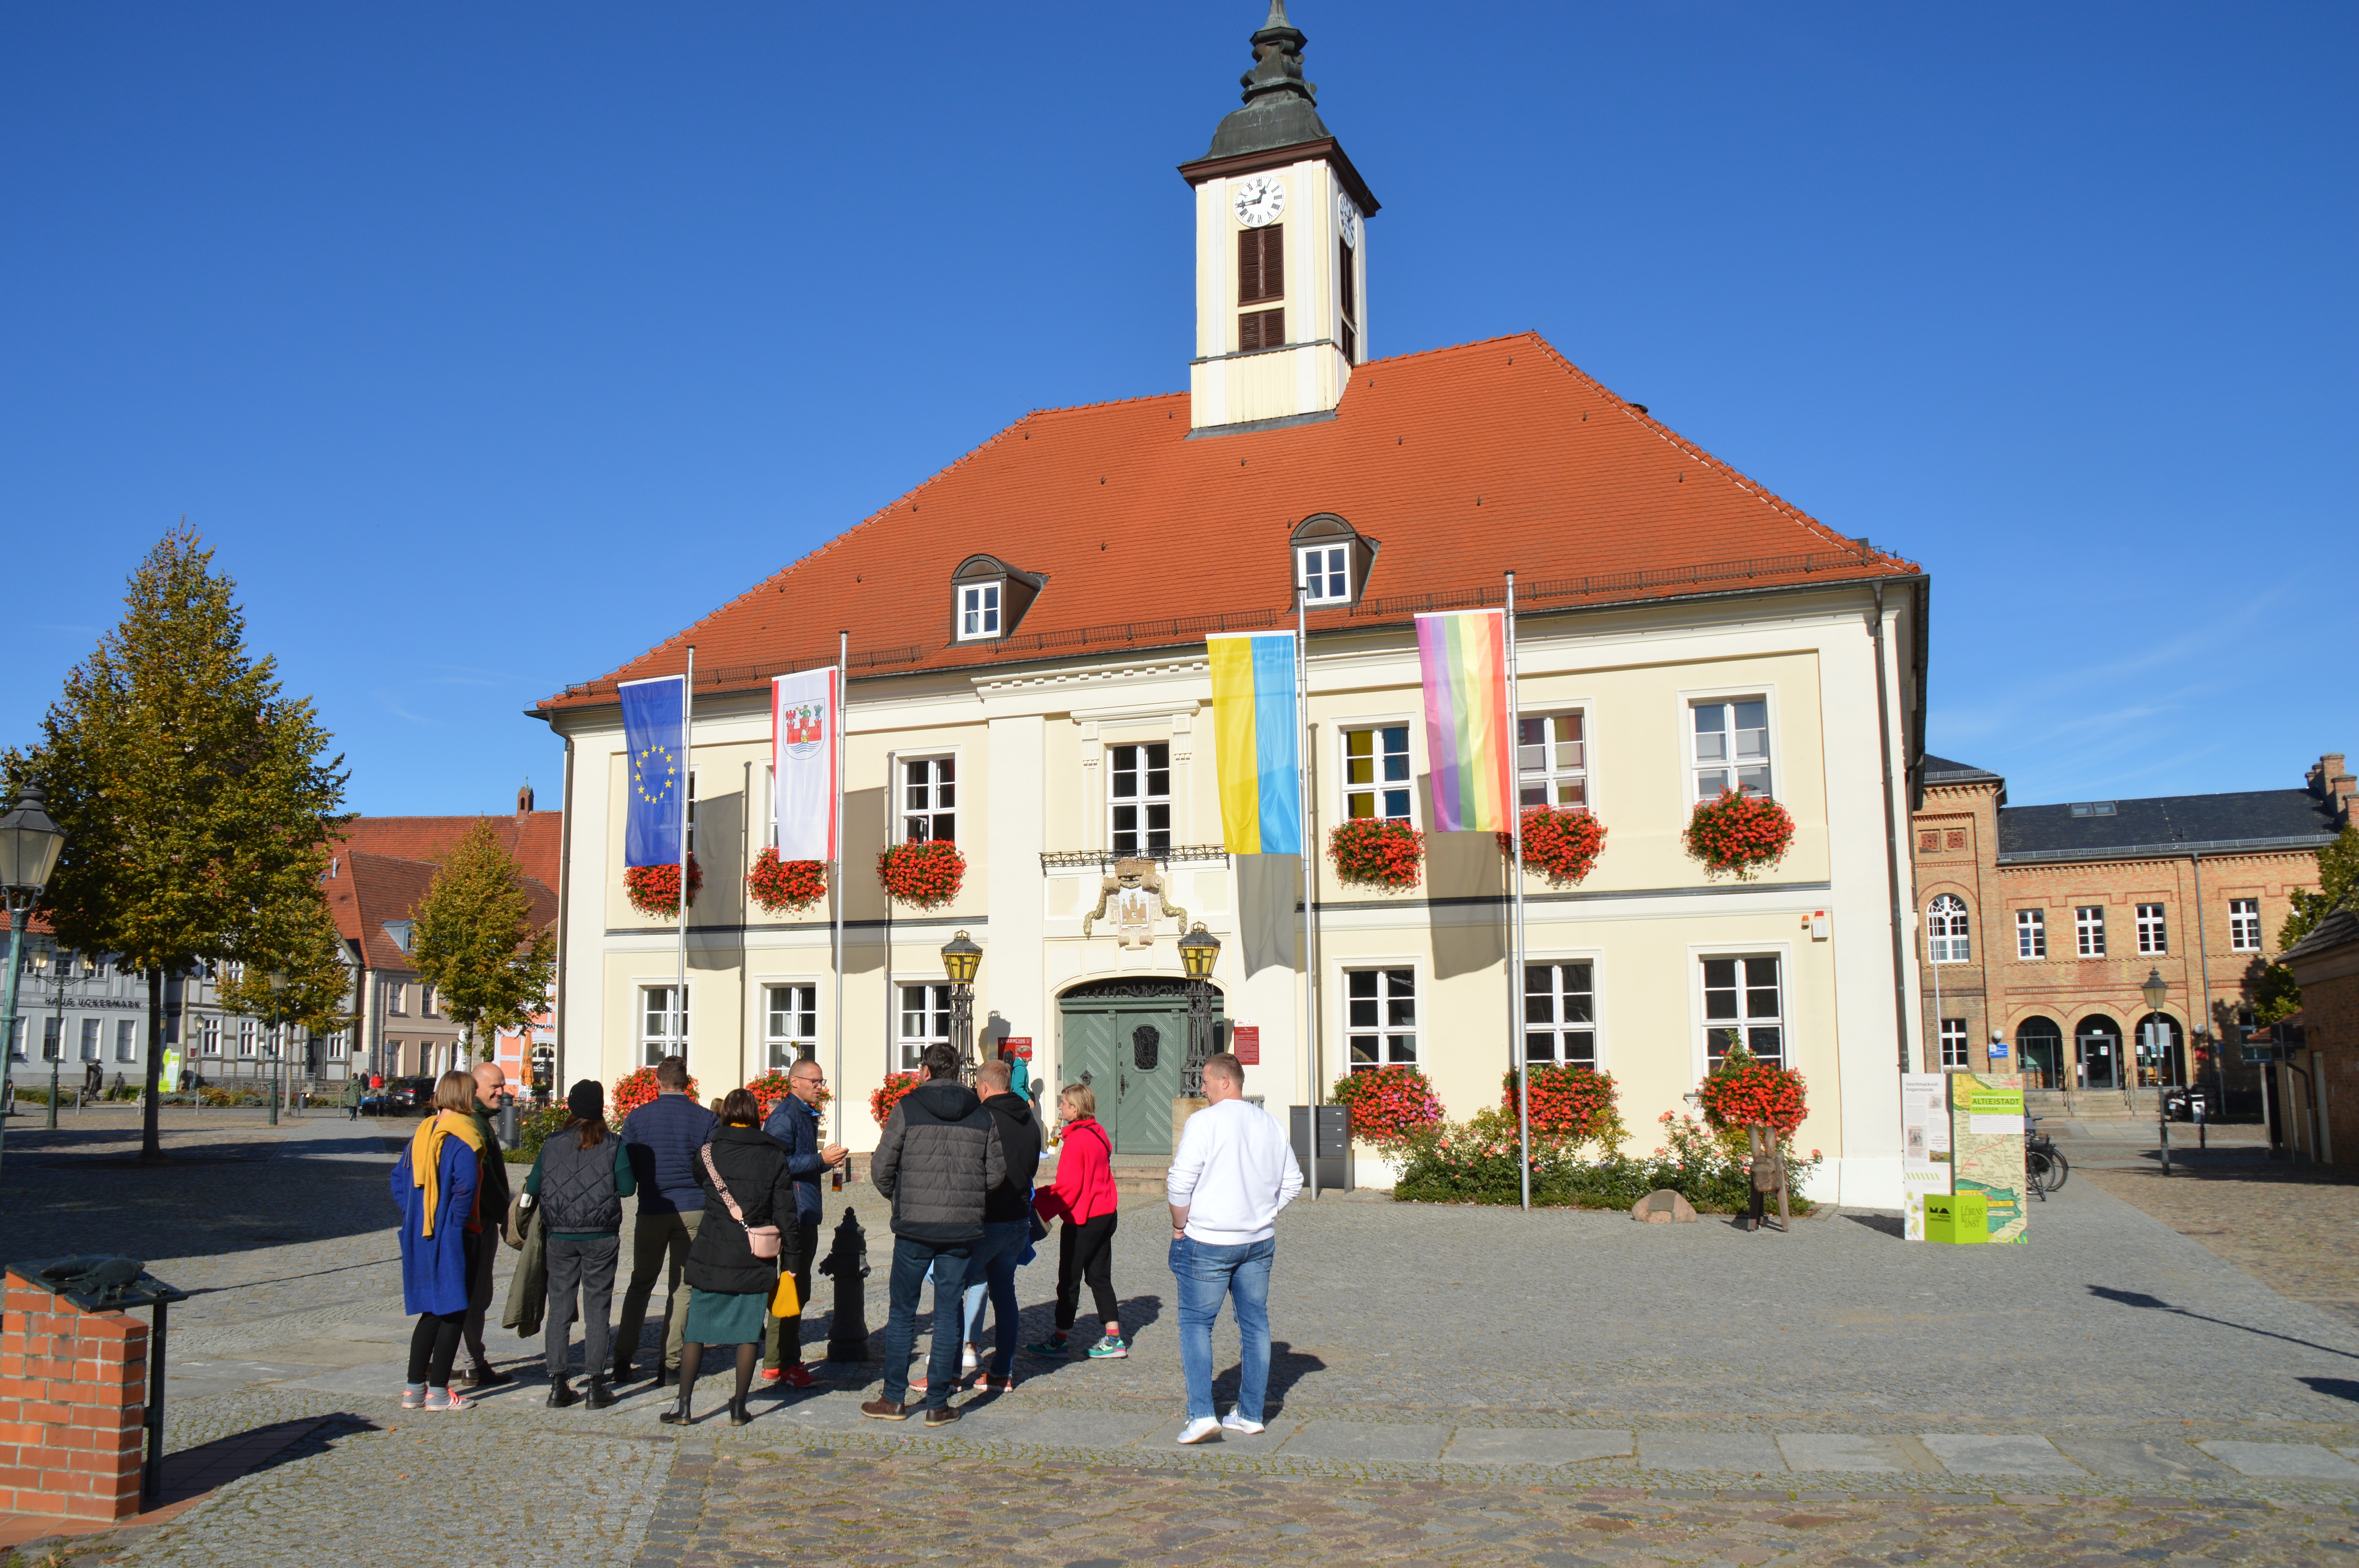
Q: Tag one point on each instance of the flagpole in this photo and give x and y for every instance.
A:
(843, 708)
(1302, 829)
(687, 788)
(1516, 874)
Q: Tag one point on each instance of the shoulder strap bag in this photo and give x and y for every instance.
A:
(763, 1240)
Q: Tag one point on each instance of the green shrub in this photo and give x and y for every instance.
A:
(1477, 1162)
(533, 1128)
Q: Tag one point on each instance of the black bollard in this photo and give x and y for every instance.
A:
(847, 1263)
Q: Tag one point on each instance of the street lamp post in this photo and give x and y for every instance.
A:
(277, 1051)
(30, 846)
(1199, 951)
(961, 960)
(2158, 990)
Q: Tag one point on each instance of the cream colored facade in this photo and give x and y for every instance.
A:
(1308, 376)
(1030, 744)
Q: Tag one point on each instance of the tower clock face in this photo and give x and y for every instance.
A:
(1347, 220)
(1259, 200)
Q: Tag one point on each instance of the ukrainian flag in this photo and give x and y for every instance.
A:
(1256, 745)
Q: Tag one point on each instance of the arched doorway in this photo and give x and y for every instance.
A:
(1128, 1040)
(2040, 1053)
(2162, 1050)
(2097, 1041)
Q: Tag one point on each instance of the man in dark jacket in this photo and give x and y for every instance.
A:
(492, 1211)
(794, 1124)
(1007, 1220)
(663, 1136)
(939, 1156)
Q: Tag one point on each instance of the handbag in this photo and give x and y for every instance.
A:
(761, 1241)
(786, 1301)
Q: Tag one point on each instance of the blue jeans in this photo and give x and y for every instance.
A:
(1205, 1275)
(910, 1261)
(992, 1268)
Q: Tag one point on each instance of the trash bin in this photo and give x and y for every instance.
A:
(1334, 1145)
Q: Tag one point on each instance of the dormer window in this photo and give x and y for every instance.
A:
(979, 611)
(1331, 560)
(988, 598)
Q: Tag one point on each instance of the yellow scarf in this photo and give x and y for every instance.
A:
(426, 1156)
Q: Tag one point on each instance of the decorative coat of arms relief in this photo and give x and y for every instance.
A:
(1132, 901)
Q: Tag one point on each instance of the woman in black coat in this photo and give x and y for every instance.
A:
(729, 1287)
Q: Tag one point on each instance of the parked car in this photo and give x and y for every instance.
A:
(400, 1096)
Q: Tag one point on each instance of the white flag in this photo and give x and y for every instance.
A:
(804, 713)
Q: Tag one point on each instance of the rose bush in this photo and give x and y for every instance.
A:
(926, 872)
(778, 885)
(1738, 833)
(1389, 1106)
(655, 890)
(1376, 852)
(1562, 843)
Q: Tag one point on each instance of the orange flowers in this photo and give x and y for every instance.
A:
(927, 872)
(1378, 852)
(889, 1094)
(1389, 1106)
(1567, 1101)
(655, 890)
(1739, 833)
(779, 885)
(633, 1089)
(1748, 1092)
(1562, 843)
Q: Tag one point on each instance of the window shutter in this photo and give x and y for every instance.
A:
(1248, 265)
(1261, 263)
(1273, 261)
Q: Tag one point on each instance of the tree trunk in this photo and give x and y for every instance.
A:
(151, 1142)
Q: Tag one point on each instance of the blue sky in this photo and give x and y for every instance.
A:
(492, 345)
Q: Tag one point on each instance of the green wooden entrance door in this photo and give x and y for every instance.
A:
(1128, 1040)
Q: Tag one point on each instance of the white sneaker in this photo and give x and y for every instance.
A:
(1233, 1422)
(968, 1361)
(1197, 1430)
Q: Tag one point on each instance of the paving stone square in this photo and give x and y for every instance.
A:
(1356, 1440)
(1748, 1453)
(1993, 1454)
(2142, 1458)
(1840, 1451)
(2283, 1461)
(1536, 1446)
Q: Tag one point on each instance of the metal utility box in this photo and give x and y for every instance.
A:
(1960, 1218)
(1334, 1145)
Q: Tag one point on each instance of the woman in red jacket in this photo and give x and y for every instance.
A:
(1084, 1194)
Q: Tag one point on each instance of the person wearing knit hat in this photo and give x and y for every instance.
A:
(580, 1182)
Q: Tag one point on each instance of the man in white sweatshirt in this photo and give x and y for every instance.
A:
(1232, 1174)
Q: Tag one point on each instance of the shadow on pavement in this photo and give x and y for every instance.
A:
(1891, 1225)
(1288, 1367)
(2156, 1303)
(2334, 1387)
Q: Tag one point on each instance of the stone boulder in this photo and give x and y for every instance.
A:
(1663, 1206)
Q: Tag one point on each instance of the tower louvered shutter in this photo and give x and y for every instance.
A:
(1261, 263)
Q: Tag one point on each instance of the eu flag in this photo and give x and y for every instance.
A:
(655, 721)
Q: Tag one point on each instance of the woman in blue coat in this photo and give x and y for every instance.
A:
(435, 1184)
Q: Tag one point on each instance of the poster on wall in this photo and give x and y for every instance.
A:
(1986, 1127)
(1018, 1046)
(1244, 1040)
(1924, 1145)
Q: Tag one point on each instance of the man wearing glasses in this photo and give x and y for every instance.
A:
(794, 1123)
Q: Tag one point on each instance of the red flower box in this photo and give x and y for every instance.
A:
(1567, 1101)
(1377, 852)
(927, 872)
(771, 1087)
(1741, 834)
(778, 885)
(890, 1093)
(655, 890)
(1748, 1092)
(631, 1091)
(1562, 843)
(1389, 1106)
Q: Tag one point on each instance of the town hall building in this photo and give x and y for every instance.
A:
(1681, 629)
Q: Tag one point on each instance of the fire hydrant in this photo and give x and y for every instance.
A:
(847, 1263)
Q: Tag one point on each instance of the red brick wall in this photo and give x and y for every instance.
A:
(73, 1393)
(2330, 1014)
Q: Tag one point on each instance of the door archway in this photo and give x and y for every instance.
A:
(2162, 1050)
(2040, 1053)
(2097, 1050)
(1127, 1039)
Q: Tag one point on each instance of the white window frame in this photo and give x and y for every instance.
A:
(1559, 1026)
(2244, 925)
(394, 998)
(1551, 776)
(782, 1046)
(1320, 583)
(1957, 1044)
(1383, 1033)
(2089, 930)
(672, 1040)
(92, 1043)
(1145, 801)
(209, 1033)
(53, 1039)
(126, 1039)
(2153, 930)
(1784, 1022)
(1406, 786)
(980, 609)
(1727, 696)
(245, 1039)
(23, 1032)
(933, 1011)
(2030, 933)
(1948, 930)
(336, 1046)
(954, 756)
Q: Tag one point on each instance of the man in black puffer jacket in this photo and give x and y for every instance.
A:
(939, 1155)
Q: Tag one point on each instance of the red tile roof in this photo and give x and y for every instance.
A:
(368, 890)
(534, 837)
(1461, 462)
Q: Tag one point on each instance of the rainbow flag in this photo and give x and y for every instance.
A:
(1257, 747)
(1462, 659)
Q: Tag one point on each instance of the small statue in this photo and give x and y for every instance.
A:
(1134, 898)
(847, 1263)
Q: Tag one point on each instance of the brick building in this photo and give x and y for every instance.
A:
(2317, 1083)
(2039, 924)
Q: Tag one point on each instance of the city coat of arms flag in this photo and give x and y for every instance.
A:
(803, 717)
(654, 768)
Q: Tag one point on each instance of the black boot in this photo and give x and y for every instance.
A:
(560, 1393)
(678, 1415)
(599, 1397)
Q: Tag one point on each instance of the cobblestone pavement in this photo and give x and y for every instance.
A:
(2292, 1227)
(1452, 1385)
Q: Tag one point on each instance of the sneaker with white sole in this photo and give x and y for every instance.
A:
(968, 1360)
(1111, 1349)
(448, 1400)
(1233, 1422)
(1199, 1430)
(413, 1396)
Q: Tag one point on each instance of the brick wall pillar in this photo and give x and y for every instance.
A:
(73, 1394)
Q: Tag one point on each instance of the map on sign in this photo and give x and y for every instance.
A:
(1986, 1156)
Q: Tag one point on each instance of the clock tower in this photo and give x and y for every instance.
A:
(1281, 252)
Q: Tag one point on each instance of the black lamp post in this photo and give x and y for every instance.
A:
(1199, 951)
(961, 960)
(2157, 991)
(277, 1052)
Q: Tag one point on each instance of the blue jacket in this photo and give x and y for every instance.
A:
(434, 1267)
(663, 1136)
(796, 1127)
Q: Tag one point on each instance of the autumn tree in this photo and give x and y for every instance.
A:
(297, 940)
(195, 794)
(2274, 996)
(474, 939)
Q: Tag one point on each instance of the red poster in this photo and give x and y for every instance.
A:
(1019, 1046)
(1245, 1039)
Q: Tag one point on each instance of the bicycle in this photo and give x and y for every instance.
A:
(2045, 1169)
